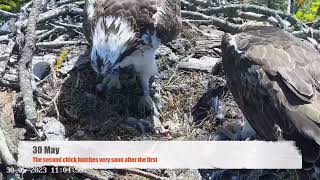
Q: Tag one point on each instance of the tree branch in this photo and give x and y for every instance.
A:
(143, 174)
(46, 34)
(5, 56)
(57, 44)
(25, 61)
(7, 14)
(316, 24)
(5, 154)
(223, 24)
(253, 8)
(257, 17)
(62, 10)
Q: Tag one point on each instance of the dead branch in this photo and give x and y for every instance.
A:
(11, 78)
(39, 32)
(253, 8)
(46, 34)
(316, 24)
(24, 71)
(68, 26)
(314, 43)
(5, 56)
(26, 6)
(5, 83)
(4, 38)
(97, 175)
(195, 3)
(62, 10)
(189, 6)
(5, 154)
(197, 22)
(204, 64)
(307, 33)
(257, 17)
(234, 28)
(144, 174)
(223, 24)
(7, 14)
(63, 2)
(42, 95)
(58, 44)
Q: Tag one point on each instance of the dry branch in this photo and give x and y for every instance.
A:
(58, 44)
(4, 38)
(307, 33)
(223, 24)
(5, 154)
(5, 56)
(253, 8)
(204, 64)
(97, 175)
(257, 17)
(62, 10)
(50, 32)
(63, 2)
(25, 61)
(234, 28)
(316, 24)
(68, 26)
(26, 6)
(5, 83)
(7, 14)
(314, 43)
(144, 174)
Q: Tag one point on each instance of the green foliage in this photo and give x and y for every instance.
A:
(12, 5)
(308, 11)
(61, 59)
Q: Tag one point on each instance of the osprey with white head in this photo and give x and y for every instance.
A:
(127, 32)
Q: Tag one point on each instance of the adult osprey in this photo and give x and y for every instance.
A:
(127, 32)
(275, 79)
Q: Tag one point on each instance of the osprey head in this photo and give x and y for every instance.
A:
(110, 39)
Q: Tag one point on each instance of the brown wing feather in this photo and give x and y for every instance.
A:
(275, 80)
(280, 53)
(141, 14)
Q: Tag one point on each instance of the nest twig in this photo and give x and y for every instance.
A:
(25, 78)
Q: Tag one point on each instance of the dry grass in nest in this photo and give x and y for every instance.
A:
(79, 101)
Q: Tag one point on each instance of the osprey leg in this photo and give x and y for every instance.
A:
(146, 103)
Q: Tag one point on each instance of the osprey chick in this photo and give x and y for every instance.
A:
(127, 32)
(275, 79)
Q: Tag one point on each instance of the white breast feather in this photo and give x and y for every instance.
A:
(143, 61)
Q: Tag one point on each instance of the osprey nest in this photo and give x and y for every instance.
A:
(49, 86)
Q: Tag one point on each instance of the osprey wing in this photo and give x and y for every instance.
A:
(145, 16)
(275, 79)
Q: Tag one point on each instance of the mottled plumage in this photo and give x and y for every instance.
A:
(146, 18)
(127, 32)
(275, 79)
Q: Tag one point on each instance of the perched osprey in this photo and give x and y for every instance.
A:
(127, 32)
(275, 79)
